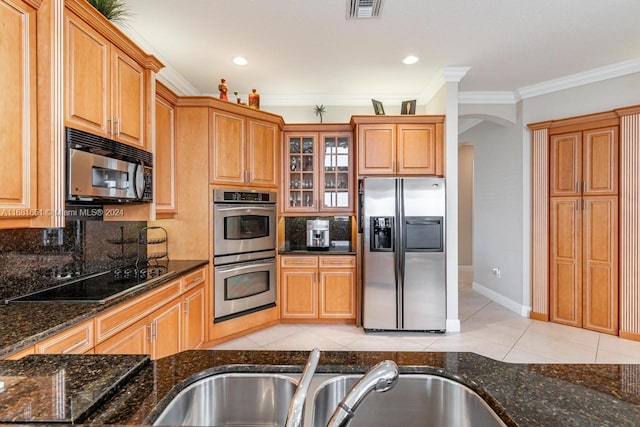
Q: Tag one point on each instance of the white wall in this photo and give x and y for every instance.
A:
(497, 207)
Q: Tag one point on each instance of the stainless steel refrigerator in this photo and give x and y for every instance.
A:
(403, 225)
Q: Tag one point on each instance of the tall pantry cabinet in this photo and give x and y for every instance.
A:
(583, 219)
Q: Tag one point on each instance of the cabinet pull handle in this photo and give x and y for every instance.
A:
(110, 126)
(73, 347)
(186, 307)
(117, 122)
(150, 335)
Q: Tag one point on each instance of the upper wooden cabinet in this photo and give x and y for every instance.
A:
(18, 173)
(105, 79)
(165, 153)
(318, 169)
(244, 150)
(584, 162)
(411, 145)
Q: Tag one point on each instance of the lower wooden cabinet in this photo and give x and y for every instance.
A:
(193, 318)
(132, 340)
(76, 340)
(318, 287)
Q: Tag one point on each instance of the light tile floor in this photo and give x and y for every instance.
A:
(487, 329)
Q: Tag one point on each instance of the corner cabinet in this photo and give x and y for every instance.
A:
(18, 173)
(243, 148)
(318, 288)
(400, 146)
(318, 169)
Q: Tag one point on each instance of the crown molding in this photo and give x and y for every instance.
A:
(454, 74)
(167, 75)
(574, 80)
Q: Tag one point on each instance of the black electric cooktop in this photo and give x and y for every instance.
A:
(96, 289)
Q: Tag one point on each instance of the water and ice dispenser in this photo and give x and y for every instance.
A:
(382, 234)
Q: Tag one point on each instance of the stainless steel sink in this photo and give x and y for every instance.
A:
(232, 399)
(416, 400)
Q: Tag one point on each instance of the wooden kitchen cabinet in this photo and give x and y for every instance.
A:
(583, 224)
(18, 163)
(401, 146)
(104, 87)
(76, 340)
(318, 169)
(166, 329)
(131, 340)
(165, 153)
(194, 310)
(243, 150)
(318, 287)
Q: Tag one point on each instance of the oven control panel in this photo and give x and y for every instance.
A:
(241, 196)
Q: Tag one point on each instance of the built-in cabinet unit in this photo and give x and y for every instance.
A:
(18, 105)
(583, 216)
(318, 169)
(399, 146)
(244, 150)
(318, 287)
(165, 153)
(576, 204)
(104, 87)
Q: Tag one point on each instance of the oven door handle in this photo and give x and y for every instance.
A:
(246, 266)
(247, 208)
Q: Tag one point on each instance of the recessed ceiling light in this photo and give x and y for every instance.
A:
(239, 60)
(410, 59)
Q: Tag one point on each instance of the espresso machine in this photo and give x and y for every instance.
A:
(318, 234)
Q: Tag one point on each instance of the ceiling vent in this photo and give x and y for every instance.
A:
(361, 9)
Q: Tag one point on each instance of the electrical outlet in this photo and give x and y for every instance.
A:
(496, 272)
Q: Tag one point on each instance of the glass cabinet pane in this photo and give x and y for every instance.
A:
(335, 152)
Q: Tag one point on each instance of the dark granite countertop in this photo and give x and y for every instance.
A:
(62, 388)
(521, 394)
(302, 250)
(20, 328)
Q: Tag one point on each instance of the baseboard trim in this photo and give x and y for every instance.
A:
(453, 325)
(510, 304)
(539, 316)
(629, 335)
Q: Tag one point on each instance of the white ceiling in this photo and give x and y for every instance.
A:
(301, 50)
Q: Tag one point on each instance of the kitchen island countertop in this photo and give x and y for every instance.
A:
(521, 394)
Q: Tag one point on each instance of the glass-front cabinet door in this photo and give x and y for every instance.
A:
(336, 172)
(317, 171)
(301, 174)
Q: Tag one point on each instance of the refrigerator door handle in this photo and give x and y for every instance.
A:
(400, 250)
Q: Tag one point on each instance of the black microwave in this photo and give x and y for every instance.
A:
(101, 170)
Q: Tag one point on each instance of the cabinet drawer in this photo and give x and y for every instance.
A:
(299, 261)
(126, 314)
(75, 340)
(337, 261)
(192, 280)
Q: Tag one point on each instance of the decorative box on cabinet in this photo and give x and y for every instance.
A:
(318, 287)
(409, 145)
(318, 169)
(244, 150)
(18, 173)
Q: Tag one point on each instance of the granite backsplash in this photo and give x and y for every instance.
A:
(295, 229)
(35, 259)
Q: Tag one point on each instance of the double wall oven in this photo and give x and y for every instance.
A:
(244, 252)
